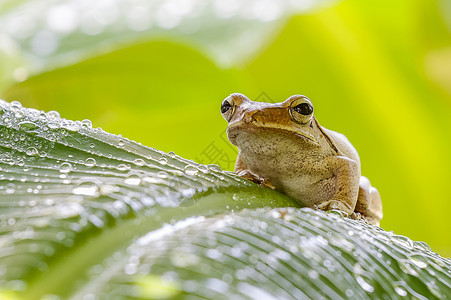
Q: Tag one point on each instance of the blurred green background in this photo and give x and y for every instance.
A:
(157, 71)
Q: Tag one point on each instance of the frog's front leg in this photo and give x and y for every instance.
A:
(346, 174)
(242, 171)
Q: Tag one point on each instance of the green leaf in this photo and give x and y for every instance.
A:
(138, 82)
(84, 212)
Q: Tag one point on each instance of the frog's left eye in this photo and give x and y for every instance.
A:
(301, 110)
(227, 108)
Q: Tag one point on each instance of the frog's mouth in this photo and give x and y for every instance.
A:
(234, 130)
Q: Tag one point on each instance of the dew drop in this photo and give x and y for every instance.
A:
(121, 143)
(32, 151)
(313, 274)
(163, 174)
(365, 285)
(71, 126)
(177, 173)
(139, 162)
(60, 235)
(27, 126)
(65, 167)
(133, 179)
(53, 114)
(214, 168)
(10, 188)
(106, 189)
(203, 168)
(400, 291)
(163, 161)
(53, 125)
(18, 114)
(15, 105)
(87, 188)
(190, 170)
(90, 162)
(349, 293)
(417, 262)
(86, 123)
(123, 167)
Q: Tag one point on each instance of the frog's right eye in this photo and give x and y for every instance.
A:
(227, 108)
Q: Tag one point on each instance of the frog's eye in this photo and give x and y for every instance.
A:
(227, 108)
(301, 110)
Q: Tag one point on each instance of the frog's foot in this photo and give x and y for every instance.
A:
(254, 178)
(335, 205)
(359, 216)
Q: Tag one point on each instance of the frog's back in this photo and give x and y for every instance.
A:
(342, 143)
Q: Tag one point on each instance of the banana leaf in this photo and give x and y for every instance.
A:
(85, 214)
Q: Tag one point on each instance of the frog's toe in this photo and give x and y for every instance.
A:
(249, 176)
(267, 183)
(334, 205)
(254, 178)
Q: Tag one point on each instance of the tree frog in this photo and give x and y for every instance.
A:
(282, 146)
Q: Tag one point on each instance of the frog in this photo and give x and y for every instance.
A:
(283, 147)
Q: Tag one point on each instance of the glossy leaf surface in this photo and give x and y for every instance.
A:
(84, 212)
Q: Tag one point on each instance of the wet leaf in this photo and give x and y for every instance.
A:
(84, 212)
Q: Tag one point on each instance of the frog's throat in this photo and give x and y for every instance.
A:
(234, 129)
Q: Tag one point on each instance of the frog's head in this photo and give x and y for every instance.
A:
(292, 118)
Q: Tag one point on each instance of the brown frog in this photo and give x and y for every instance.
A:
(282, 146)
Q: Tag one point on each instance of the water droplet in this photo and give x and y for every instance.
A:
(203, 168)
(177, 173)
(32, 151)
(121, 143)
(53, 125)
(66, 167)
(90, 162)
(53, 114)
(365, 285)
(163, 174)
(106, 189)
(87, 188)
(214, 168)
(71, 126)
(171, 154)
(190, 170)
(188, 193)
(183, 259)
(400, 291)
(123, 167)
(86, 123)
(139, 162)
(60, 235)
(18, 114)
(15, 105)
(27, 126)
(133, 179)
(419, 263)
(163, 161)
(10, 188)
(152, 180)
(349, 293)
(313, 274)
